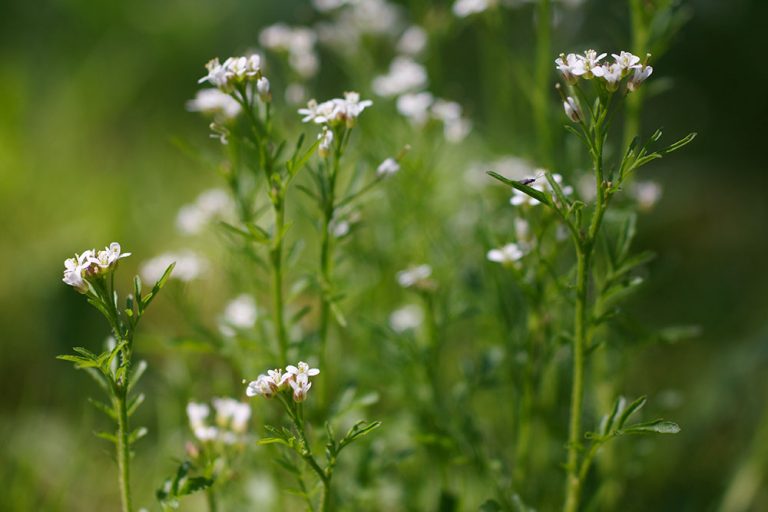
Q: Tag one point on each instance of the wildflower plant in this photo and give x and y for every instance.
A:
(92, 274)
(592, 92)
(291, 387)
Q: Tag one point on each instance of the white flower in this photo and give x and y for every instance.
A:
(522, 230)
(415, 107)
(263, 88)
(295, 94)
(268, 385)
(231, 414)
(206, 434)
(508, 254)
(639, 76)
(413, 41)
(240, 313)
(235, 70)
(566, 64)
(627, 60)
(215, 103)
(197, 414)
(646, 193)
(326, 139)
(406, 318)
(300, 388)
(464, 8)
(387, 167)
(572, 109)
(335, 111)
(591, 63)
(189, 266)
(455, 127)
(90, 263)
(211, 204)
(414, 276)
(404, 75)
(302, 370)
(612, 74)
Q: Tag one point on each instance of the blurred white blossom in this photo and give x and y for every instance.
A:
(508, 254)
(412, 41)
(297, 42)
(414, 276)
(210, 205)
(646, 193)
(387, 167)
(336, 110)
(406, 318)
(240, 313)
(189, 266)
(213, 102)
(404, 75)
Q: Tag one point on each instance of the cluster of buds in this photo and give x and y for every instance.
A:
(230, 422)
(275, 381)
(237, 71)
(588, 66)
(91, 264)
(335, 111)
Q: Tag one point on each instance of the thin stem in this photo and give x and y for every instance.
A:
(640, 36)
(326, 261)
(543, 78)
(276, 258)
(122, 445)
(210, 496)
(573, 482)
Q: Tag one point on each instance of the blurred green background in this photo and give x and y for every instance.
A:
(92, 101)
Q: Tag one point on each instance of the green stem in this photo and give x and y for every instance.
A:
(122, 445)
(210, 496)
(573, 481)
(639, 45)
(277, 279)
(326, 262)
(543, 80)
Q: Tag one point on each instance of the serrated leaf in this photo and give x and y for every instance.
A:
(655, 427)
(629, 411)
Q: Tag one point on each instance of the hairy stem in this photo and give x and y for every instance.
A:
(123, 446)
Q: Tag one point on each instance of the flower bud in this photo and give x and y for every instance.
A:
(572, 109)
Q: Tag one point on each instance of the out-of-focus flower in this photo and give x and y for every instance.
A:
(404, 75)
(646, 193)
(231, 414)
(507, 255)
(189, 266)
(326, 140)
(213, 102)
(464, 8)
(241, 313)
(406, 318)
(455, 127)
(414, 277)
(210, 205)
(415, 107)
(387, 167)
(412, 41)
(231, 420)
(298, 42)
(263, 88)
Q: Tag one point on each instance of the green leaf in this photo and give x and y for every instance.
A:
(80, 362)
(136, 373)
(654, 427)
(358, 430)
(530, 191)
(147, 299)
(134, 403)
(490, 506)
(629, 411)
(106, 436)
(273, 440)
(106, 409)
(679, 144)
(85, 353)
(609, 420)
(137, 434)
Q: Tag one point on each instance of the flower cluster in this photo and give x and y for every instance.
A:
(231, 420)
(235, 71)
(295, 377)
(335, 111)
(91, 264)
(589, 65)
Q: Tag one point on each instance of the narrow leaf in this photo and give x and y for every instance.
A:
(656, 426)
(629, 411)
